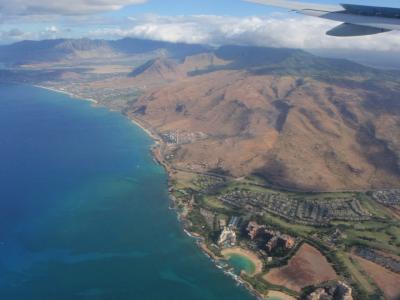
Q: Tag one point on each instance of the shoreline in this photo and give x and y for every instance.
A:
(157, 155)
(155, 150)
(66, 93)
(149, 131)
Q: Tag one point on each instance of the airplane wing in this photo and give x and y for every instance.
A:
(298, 6)
(357, 20)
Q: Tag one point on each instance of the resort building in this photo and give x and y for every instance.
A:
(254, 230)
(272, 244)
(227, 238)
(234, 222)
(269, 239)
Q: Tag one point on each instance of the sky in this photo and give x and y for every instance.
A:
(214, 22)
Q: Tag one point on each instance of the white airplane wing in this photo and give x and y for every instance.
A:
(292, 5)
(357, 19)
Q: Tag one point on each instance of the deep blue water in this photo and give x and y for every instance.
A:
(84, 209)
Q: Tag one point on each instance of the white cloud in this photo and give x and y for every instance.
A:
(62, 7)
(273, 31)
(52, 29)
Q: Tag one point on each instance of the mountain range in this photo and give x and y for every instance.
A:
(295, 120)
(28, 52)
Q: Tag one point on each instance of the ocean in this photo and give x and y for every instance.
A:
(84, 209)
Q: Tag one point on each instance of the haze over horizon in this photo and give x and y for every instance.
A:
(191, 21)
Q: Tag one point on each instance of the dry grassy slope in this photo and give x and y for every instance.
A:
(166, 70)
(201, 61)
(153, 74)
(298, 133)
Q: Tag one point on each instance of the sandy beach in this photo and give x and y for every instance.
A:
(67, 93)
(246, 253)
(146, 129)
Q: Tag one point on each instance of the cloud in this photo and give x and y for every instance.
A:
(15, 32)
(52, 29)
(279, 30)
(62, 7)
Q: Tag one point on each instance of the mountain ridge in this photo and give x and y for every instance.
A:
(26, 52)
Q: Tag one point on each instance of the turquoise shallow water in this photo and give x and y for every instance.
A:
(84, 209)
(241, 263)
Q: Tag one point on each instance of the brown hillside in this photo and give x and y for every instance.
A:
(295, 132)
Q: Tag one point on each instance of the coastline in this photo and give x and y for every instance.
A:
(67, 93)
(156, 150)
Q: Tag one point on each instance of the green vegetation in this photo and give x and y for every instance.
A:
(378, 234)
(354, 272)
(198, 223)
(262, 286)
(214, 203)
(334, 239)
(370, 205)
(285, 226)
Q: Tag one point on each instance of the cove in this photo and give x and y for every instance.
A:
(241, 263)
